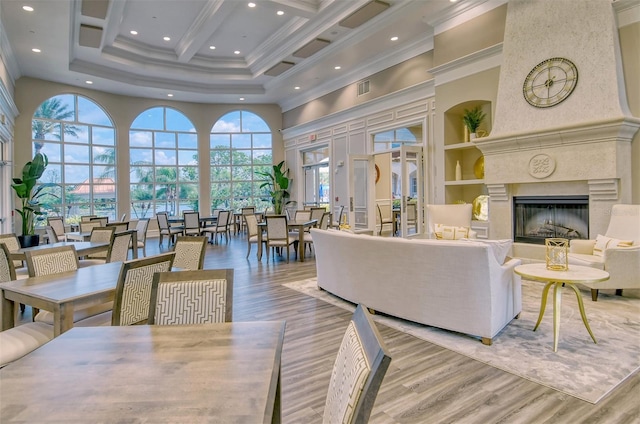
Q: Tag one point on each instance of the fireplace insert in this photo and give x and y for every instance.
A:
(536, 218)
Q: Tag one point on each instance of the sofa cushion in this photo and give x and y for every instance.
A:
(604, 242)
(448, 232)
(592, 261)
(18, 341)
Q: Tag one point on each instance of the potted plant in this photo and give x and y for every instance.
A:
(472, 120)
(278, 184)
(29, 194)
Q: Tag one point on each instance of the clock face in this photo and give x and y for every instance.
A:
(550, 82)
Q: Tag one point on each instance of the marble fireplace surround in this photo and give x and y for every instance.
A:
(592, 159)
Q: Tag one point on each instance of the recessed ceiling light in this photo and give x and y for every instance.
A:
(236, 52)
(133, 32)
(166, 38)
(296, 88)
(27, 8)
(241, 99)
(453, 1)
(251, 4)
(169, 95)
(212, 47)
(394, 38)
(336, 67)
(89, 82)
(36, 50)
(279, 13)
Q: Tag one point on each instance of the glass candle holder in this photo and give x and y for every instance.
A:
(557, 257)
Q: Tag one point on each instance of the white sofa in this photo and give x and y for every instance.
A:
(460, 285)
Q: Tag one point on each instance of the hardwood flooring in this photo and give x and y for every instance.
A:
(424, 384)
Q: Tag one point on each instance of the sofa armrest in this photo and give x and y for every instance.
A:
(584, 247)
(623, 263)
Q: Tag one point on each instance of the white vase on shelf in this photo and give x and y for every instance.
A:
(458, 171)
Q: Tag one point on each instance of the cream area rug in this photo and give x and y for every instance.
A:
(579, 368)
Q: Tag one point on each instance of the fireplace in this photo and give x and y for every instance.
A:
(536, 218)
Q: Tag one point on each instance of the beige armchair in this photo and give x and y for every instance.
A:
(458, 215)
(620, 260)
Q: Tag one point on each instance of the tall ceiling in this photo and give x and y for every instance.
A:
(281, 44)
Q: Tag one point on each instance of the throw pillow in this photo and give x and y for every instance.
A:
(447, 232)
(604, 242)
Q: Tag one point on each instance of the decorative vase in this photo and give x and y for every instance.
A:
(466, 134)
(29, 240)
(473, 136)
(478, 168)
(557, 254)
(458, 171)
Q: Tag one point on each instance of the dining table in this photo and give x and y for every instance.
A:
(298, 226)
(82, 248)
(61, 293)
(222, 373)
(77, 236)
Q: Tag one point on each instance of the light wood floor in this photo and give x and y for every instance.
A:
(424, 384)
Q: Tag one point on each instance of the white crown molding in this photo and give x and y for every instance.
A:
(482, 60)
(627, 11)
(463, 12)
(423, 90)
(8, 58)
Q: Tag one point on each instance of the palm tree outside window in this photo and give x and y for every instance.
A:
(79, 140)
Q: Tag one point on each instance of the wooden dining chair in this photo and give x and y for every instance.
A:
(358, 371)
(223, 224)
(87, 226)
(118, 250)
(252, 232)
(13, 244)
(192, 224)
(133, 290)
(384, 218)
(101, 235)
(278, 234)
(166, 229)
(87, 218)
(53, 260)
(190, 251)
(142, 226)
(57, 224)
(191, 297)
(51, 234)
(7, 270)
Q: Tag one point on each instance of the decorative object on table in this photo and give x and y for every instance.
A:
(556, 253)
(278, 184)
(478, 168)
(481, 208)
(29, 196)
(458, 171)
(472, 119)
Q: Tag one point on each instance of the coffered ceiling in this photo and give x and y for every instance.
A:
(218, 51)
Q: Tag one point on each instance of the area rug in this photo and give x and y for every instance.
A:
(579, 368)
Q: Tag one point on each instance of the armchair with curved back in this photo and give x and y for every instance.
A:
(456, 219)
(617, 251)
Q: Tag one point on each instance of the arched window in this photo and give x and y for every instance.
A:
(241, 145)
(78, 138)
(164, 163)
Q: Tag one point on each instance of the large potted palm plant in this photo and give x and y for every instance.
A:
(278, 184)
(29, 192)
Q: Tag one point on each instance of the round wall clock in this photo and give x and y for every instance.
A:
(550, 82)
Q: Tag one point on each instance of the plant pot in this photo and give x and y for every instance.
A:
(29, 240)
(473, 136)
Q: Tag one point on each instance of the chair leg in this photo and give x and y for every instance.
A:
(160, 242)
(248, 248)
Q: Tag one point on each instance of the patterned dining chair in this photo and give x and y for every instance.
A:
(7, 271)
(222, 227)
(53, 260)
(118, 250)
(278, 234)
(166, 229)
(358, 371)
(133, 290)
(192, 224)
(190, 251)
(191, 297)
(101, 235)
(12, 243)
(57, 223)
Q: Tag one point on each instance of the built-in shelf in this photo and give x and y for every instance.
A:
(463, 182)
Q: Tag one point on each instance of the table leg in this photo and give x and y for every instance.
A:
(8, 313)
(582, 313)
(259, 244)
(301, 246)
(557, 307)
(543, 306)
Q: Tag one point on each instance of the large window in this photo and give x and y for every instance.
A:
(241, 145)
(394, 138)
(164, 163)
(78, 138)
(315, 164)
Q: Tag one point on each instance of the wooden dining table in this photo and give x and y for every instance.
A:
(223, 373)
(61, 293)
(298, 226)
(82, 248)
